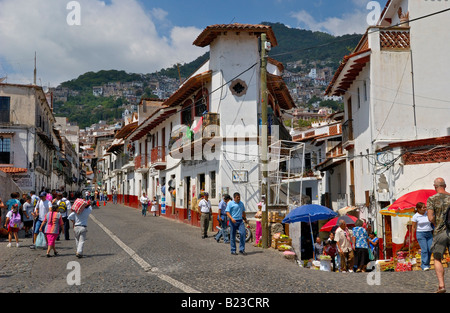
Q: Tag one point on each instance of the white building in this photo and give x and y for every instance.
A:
(396, 129)
(220, 103)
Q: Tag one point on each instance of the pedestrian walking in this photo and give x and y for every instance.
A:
(64, 207)
(223, 220)
(144, 203)
(421, 226)
(40, 211)
(236, 213)
(80, 222)
(154, 208)
(51, 226)
(206, 212)
(361, 244)
(437, 207)
(28, 216)
(343, 237)
(14, 200)
(13, 221)
(114, 195)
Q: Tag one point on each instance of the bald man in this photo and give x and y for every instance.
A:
(437, 207)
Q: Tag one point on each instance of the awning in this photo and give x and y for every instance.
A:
(126, 130)
(13, 170)
(151, 122)
(347, 72)
(189, 87)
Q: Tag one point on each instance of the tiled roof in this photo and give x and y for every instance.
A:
(13, 170)
(211, 32)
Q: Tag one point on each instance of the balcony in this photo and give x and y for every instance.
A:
(397, 38)
(141, 163)
(187, 142)
(347, 135)
(336, 151)
(158, 158)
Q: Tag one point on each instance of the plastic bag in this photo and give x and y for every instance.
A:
(40, 241)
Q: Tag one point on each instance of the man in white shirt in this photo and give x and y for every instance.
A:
(41, 209)
(344, 243)
(80, 222)
(205, 209)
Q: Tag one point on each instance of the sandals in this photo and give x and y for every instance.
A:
(441, 290)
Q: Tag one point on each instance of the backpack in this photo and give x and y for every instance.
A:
(62, 207)
(35, 201)
(15, 220)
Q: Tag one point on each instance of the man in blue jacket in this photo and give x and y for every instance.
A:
(236, 213)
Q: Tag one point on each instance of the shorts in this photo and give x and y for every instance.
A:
(12, 229)
(441, 242)
(37, 226)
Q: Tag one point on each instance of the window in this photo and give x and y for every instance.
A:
(186, 113)
(365, 91)
(359, 98)
(5, 109)
(201, 103)
(5, 150)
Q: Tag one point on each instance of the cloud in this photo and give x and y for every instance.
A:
(348, 23)
(119, 35)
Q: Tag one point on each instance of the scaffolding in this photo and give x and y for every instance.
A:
(282, 172)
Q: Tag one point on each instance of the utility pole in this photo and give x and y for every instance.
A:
(35, 70)
(264, 142)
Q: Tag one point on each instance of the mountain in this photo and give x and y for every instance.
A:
(91, 79)
(299, 44)
(293, 45)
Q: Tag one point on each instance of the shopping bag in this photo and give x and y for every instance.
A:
(40, 241)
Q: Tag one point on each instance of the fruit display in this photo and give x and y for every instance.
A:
(403, 267)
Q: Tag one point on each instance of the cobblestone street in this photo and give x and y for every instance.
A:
(121, 243)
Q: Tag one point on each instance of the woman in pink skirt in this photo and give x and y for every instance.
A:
(53, 222)
(258, 232)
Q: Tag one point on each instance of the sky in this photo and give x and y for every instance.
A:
(71, 38)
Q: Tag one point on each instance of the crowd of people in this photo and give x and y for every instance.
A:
(350, 248)
(44, 217)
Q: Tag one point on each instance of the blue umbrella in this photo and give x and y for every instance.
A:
(309, 213)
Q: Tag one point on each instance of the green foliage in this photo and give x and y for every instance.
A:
(298, 44)
(186, 69)
(87, 109)
(91, 79)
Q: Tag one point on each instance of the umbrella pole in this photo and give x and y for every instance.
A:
(312, 238)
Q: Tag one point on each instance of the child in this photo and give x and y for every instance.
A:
(27, 216)
(53, 222)
(13, 222)
(154, 206)
(331, 250)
